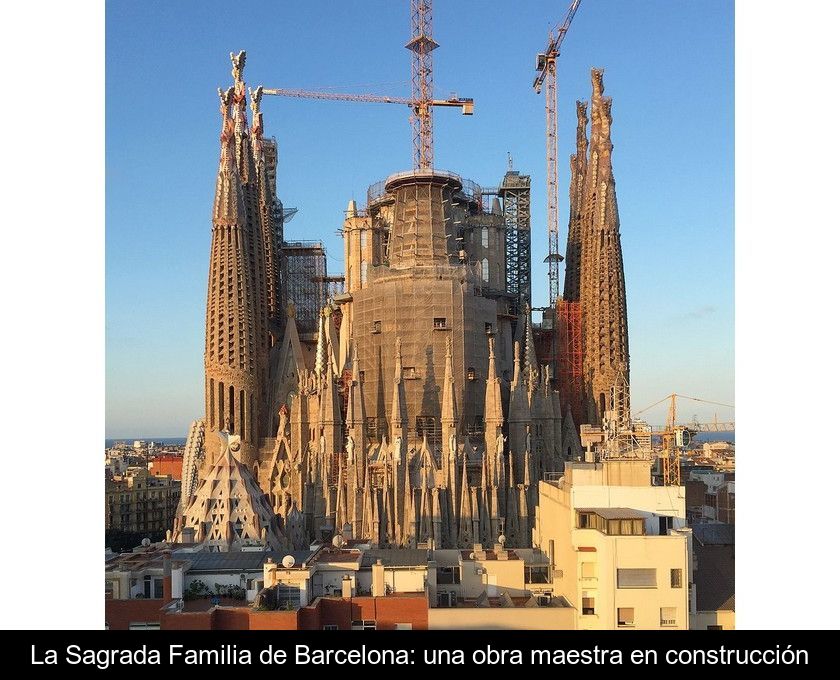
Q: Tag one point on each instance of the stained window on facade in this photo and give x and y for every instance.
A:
(485, 237)
(485, 270)
(364, 272)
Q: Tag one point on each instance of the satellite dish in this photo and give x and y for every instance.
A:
(472, 555)
(502, 539)
(338, 541)
(288, 561)
(145, 542)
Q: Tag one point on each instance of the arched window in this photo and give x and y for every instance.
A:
(231, 409)
(485, 270)
(485, 237)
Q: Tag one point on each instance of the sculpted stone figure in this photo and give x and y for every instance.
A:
(351, 447)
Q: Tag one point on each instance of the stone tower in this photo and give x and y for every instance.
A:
(602, 293)
(236, 334)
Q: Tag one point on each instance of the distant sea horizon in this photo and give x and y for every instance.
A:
(166, 441)
(181, 441)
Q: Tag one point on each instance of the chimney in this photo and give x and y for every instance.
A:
(346, 587)
(188, 535)
(269, 573)
(377, 588)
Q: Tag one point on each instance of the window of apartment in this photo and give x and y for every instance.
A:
(288, 597)
(145, 625)
(403, 626)
(448, 575)
(587, 606)
(676, 578)
(586, 520)
(667, 616)
(536, 574)
(367, 624)
(440, 322)
(587, 570)
(330, 626)
(376, 327)
(626, 616)
(152, 587)
(665, 525)
(636, 578)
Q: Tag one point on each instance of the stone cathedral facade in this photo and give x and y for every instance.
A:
(416, 415)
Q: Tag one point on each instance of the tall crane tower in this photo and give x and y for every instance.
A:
(421, 101)
(547, 75)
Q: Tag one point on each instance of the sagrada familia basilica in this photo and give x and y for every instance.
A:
(415, 409)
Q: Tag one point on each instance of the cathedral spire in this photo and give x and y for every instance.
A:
(465, 515)
(518, 417)
(399, 416)
(356, 408)
(494, 418)
(602, 293)
(232, 353)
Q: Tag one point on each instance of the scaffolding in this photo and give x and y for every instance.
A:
(570, 357)
(305, 264)
(515, 194)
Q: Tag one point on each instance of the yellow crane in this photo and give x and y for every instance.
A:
(676, 437)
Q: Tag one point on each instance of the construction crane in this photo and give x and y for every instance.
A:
(421, 101)
(676, 437)
(547, 75)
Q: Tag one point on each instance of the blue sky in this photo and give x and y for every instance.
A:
(669, 68)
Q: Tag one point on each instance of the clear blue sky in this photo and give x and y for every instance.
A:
(669, 68)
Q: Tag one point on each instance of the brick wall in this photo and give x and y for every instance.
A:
(120, 613)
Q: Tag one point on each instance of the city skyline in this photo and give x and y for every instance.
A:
(156, 275)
